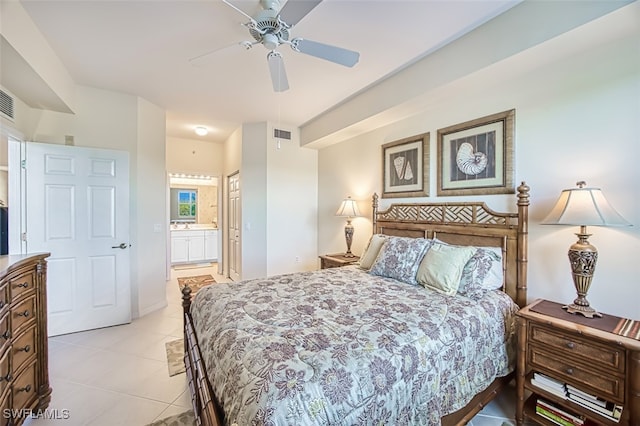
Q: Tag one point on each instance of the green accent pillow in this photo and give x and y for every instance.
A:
(441, 268)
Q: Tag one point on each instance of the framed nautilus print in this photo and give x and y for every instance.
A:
(405, 167)
(476, 157)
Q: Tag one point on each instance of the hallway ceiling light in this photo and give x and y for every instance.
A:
(201, 130)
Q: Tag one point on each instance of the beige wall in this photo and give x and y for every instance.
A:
(576, 100)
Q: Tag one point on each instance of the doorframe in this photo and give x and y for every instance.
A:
(17, 198)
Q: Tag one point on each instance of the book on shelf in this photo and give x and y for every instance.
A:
(611, 410)
(550, 385)
(572, 390)
(574, 419)
(552, 417)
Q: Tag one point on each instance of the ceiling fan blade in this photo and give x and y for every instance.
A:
(210, 57)
(277, 71)
(335, 54)
(250, 18)
(294, 10)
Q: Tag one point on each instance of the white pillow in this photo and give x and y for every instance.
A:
(371, 251)
(442, 265)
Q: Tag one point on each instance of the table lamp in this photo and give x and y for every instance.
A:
(348, 209)
(583, 206)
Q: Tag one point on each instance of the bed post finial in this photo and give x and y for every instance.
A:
(186, 298)
(523, 194)
(374, 204)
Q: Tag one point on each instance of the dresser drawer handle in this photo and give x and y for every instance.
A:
(23, 285)
(571, 345)
(8, 377)
(23, 314)
(6, 335)
(24, 389)
(569, 371)
(25, 349)
(1, 304)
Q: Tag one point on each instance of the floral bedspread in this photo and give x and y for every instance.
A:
(342, 347)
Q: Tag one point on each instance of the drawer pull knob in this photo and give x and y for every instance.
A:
(569, 370)
(6, 335)
(23, 285)
(8, 377)
(1, 304)
(25, 389)
(571, 345)
(23, 314)
(25, 349)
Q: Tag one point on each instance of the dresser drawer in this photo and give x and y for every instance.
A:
(21, 284)
(23, 348)
(5, 377)
(576, 347)
(5, 332)
(23, 313)
(24, 387)
(4, 297)
(606, 386)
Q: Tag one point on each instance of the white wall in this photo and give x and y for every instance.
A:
(577, 101)
(148, 199)
(253, 184)
(292, 205)
(194, 156)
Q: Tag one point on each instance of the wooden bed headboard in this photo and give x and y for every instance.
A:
(467, 223)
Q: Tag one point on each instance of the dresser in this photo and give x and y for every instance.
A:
(596, 356)
(24, 376)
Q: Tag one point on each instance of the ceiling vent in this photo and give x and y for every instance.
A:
(6, 105)
(282, 134)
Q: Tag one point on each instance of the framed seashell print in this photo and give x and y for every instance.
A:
(405, 167)
(477, 157)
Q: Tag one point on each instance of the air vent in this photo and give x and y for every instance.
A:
(6, 105)
(282, 134)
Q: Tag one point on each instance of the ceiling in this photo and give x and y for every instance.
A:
(143, 48)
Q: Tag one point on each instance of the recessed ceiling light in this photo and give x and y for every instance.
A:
(201, 130)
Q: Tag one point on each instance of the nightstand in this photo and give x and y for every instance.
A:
(337, 260)
(598, 356)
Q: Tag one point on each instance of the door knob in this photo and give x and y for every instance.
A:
(122, 246)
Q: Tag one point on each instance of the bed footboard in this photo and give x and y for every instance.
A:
(205, 407)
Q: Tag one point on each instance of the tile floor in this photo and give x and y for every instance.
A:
(117, 376)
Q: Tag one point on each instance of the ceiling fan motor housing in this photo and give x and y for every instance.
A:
(269, 30)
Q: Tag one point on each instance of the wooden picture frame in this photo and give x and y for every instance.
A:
(405, 167)
(477, 157)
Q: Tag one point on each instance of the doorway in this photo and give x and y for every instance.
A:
(194, 221)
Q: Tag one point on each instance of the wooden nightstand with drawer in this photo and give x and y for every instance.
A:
(337, 260)
(597, 356)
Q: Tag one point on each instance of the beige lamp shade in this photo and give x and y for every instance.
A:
(348, 208)
(583, 206)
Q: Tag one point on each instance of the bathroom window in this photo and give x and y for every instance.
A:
(187, 203)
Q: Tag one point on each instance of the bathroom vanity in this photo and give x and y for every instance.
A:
(194, 243)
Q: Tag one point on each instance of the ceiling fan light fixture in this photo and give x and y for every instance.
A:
(201, 130)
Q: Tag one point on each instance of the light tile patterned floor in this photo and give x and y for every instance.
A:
(118, 376)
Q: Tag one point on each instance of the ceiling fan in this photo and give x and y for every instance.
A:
(270, 28)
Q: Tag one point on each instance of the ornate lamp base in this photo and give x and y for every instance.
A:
(348, 235)
(583, 257)
(586, 311)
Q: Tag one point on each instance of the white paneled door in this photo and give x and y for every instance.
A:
(234, 227)
(77, 208)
